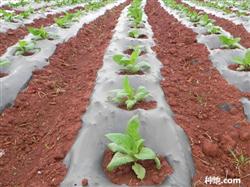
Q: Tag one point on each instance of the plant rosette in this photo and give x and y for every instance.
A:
(130, 64)
(42, 34)
(229, 42)
(243, 64)
(131, 49)
(26, 48)
(128, 161)
(212, 29)
(129, 97)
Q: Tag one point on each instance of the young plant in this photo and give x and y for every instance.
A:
(194, 17)
(135, 13)
(243, 62)
(128, 95)
(129, 147)
(212, 29)
(204, 20)
(25, 47)
(8, 16)
(130, 64)
(25, 14)
(65, 21)
(229, 42)
(20, 3)
(40, 33)
(134, 33)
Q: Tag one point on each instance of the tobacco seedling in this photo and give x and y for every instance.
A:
(229, 42)
(20, 3)
(40, 33)
(194, 17)
(129, 147)
(128, 95)
(8, 16)
(212, 29)
(243, 62)
(65, 21)
(25, 14)
(135, 13)
(134, 33)
(25, 47)
(130, 64)
(204, 20)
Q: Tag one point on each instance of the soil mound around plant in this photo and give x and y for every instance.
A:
(125, 175)
(146, 105)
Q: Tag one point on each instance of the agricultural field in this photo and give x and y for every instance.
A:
(106, 93)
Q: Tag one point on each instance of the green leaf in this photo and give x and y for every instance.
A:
(130, 103)
(141, 93)
(127, 87)
(145, 154)
(134, 34)
(134, 56)
(158, 163)
(139, 145)
(247, 55)
(238, 60)
(139, 171)
(117, 58)
(117, 148)
(118, 160)
(144, 66)
(123, 140)
(229, 42)
(133, 128)
(244, 62)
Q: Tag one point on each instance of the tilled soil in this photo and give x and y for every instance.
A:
(12, 36)
(38, 131)
(204, 104)
(229, 26)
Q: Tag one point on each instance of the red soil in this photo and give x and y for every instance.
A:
(125, 175)
(12, 36)
(235, 30)
(38, 131)
(3, 75)
(204, 104)
(142, 105)
(122, 72)
(130, 51)
(235, 66)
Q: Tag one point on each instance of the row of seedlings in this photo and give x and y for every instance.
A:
(23, 5)
(11, 20)
(129, 136)
(234, 17)
(227, 55)
(33, 52)
(240, 7)
(230, 58)
(225, 6)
